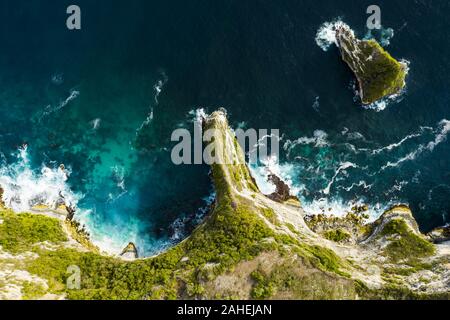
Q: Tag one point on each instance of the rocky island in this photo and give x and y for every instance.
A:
(250, 246)
(378, 74)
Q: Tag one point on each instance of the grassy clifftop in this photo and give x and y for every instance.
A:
(249, 247)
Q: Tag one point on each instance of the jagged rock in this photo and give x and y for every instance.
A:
(130, 252)
(282, 192)
(378, 74)
(399, 212)
(440, 235)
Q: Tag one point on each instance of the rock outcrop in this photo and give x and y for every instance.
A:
(282, 191)
(130, 252)
(378, 74)
(440, 235)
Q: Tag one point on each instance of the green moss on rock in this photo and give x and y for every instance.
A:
(378, 73)
(338, 235)
(404, 243)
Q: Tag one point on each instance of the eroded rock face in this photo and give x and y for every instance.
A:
(396, 213)
(130, 252)
(378, 73)
(440, 235)
(282, 192)
(251, 246)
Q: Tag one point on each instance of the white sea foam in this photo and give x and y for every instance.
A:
(52, 109)
(360, 184)
(440, 136)
(340, 208)
(24, 188)
(319, 139)
(179, 225)
(316, 104)
(96, 123)
(269, 166)
(342, 167)
(197, 115)
(330, 206)
(383, 36)
(113, 235)
(57, 78)
(146, 122)
(159, 85)
(398, 186)
(402, 141)
(326, 35)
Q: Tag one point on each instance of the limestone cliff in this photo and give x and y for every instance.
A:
(248, 247)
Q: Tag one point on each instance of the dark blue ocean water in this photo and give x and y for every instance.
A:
(88, 99)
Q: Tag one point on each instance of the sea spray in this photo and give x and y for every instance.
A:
(326, 34)
(24, 188)
(329, 179)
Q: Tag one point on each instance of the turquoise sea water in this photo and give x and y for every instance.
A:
(104, 100)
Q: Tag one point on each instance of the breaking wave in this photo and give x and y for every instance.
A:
(329, 179)
(326, 35)
(24, 188)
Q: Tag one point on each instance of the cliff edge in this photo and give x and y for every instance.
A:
(249, 247)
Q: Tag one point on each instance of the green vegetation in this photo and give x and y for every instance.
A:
(384, 76)
(336, 228)
(338, 235)
(79, 234)
(263, 288)
(228, 237)
(270, 215)
(378, 73)
(292, 228)
(234, 232)
(325, 259)
(405, 244)
(322, 258)
(19, 232)
(397, 292)
(32, 290)
(299, 279)
(408, 269)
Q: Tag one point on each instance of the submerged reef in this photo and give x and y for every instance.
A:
(379, 75)
(248, 247)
